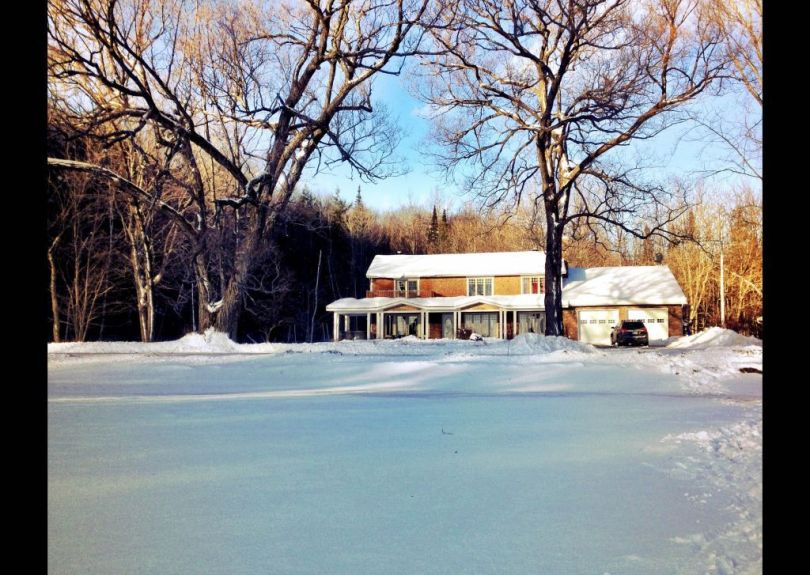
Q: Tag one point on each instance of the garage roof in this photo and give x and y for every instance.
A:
(625, 285)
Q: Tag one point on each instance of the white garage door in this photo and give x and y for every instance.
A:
(595, 325)
(656, 320)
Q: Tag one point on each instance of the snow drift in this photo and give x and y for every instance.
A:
(713, 337)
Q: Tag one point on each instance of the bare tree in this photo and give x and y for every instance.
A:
(79, 263)
(539, 97)
(249, 94)
(740, 24)
(735, 139)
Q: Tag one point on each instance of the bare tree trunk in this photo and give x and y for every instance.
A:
(54, 298)
(315, 307)
(203, 293)
(141, 264)
(553, 279)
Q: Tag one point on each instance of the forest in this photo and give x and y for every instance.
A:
(180, 135)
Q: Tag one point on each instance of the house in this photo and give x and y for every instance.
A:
(501, 294)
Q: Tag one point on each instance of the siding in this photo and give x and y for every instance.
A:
(507, 285)
(450, 287)
(443, 287)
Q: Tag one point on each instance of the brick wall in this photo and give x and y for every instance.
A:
(450, 287)
(570, 323)
(507, 285)
(383, 284)
(445, 287)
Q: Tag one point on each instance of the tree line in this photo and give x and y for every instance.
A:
(120, 269)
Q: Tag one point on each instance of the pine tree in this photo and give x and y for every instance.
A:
(358, 201)
(444, 231)
(433, 233)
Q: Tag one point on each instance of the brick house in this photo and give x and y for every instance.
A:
(501, 295)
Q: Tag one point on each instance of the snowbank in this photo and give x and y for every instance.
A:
(214, 342)
(211, 342)
(536, 343)
(713, 337)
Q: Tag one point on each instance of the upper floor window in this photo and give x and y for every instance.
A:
(406, 287)
(532, 284)
(479, 286)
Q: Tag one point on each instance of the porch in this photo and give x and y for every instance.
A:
(436, 324)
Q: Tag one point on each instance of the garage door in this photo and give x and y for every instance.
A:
(595, 325)
(656, 320)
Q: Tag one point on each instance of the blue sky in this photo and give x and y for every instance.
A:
(677, 152)
(418, 185)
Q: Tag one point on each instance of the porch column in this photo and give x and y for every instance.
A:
(514, 323)
(336, 327)
(424, 325)
(455, 326)
(368, 326)
(379, 325)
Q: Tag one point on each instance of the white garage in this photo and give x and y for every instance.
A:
(655, 319)
(595, 325)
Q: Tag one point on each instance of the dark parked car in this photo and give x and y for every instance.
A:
(629, 332)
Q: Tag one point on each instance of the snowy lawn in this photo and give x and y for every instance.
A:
(539, 455)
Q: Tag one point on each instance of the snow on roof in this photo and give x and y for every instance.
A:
(524, 301)
(458, 265)
(625, 285)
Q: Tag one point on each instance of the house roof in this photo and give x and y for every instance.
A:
(458, 265)
(608, 286)
(626, 285)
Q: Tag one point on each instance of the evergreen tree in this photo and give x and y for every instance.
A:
(444, 231)
(433, 233)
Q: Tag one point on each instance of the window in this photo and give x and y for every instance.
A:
(485, 324)
(406, 287)
(479, 286)
(532, 284)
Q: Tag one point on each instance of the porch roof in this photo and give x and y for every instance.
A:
(376, 304)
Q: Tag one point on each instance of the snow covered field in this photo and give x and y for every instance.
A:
(539, 455)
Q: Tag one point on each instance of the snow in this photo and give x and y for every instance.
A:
(624, 285)
(712, 337)
(535, 455)
(458, 265)
(508, 302)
